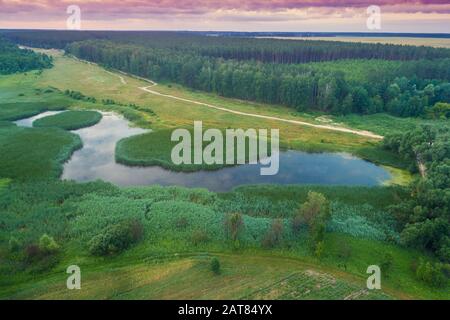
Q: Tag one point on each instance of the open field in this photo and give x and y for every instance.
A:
(189, 277)
(429, 42)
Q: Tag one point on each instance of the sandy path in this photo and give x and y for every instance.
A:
(319, 126)
(302, 123)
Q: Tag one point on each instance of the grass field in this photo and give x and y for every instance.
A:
(70, 120)
(189, 277)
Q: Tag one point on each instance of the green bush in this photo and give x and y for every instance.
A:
(47, 244)
(387, 262)
(274, 236)
(13, 244)
(431, 273)
(116, 238)
(199, 237)
(363, 221)
(215, 266)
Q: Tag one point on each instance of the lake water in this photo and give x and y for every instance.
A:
(28, 122)
(96, 161)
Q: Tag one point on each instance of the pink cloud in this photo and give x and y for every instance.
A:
(20, 13)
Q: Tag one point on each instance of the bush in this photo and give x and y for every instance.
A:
(431, 273)
(344, 250)
(13, 244)
(32, 252)
(215, 266)
(320, 248)
(387, 262)
(274, 235)
(199, 237)
(116, 238)
(298, 222)
(47, 244)
(181, 223)
(234, 225)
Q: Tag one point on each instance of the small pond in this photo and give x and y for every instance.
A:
(96, 161)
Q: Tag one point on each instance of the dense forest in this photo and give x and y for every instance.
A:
(408, 88)
(13, 59)
(425, 217)
(359, 78)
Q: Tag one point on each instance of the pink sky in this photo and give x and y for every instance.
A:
(233, 15)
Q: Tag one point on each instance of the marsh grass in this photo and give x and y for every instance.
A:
(70, 120)
(30, 153)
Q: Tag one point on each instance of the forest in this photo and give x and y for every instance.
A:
(401, 88)
(404, 81)
(425, 218)
(13, 59)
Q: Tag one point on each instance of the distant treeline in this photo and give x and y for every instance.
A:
(351, 78)
(13, 59)
(240, 48)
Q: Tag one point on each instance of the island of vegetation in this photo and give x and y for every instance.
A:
(70, 120)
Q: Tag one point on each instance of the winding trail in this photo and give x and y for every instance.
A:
(357, 132)
(153, 84)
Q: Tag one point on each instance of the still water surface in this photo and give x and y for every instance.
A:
(96, 161)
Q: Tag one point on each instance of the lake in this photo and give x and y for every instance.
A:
(96, 160)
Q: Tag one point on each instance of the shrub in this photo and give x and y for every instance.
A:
(32, 252)
(297, 223)
(344, 250)
(316, 207)
(116, 238)
(387, 262)
(315, 212)
(199, 236)
(47, 244)
(13, 244)
(181, 223)
(431, 273)
(136, 230)
(274, 235)
(215, 266)
(363, 221)
(320, 247)
(234, 225)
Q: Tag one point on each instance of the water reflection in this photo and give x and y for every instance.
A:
(28, 122)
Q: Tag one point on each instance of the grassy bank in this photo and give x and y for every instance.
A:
(27, 153)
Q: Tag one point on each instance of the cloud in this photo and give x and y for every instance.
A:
(207, 13)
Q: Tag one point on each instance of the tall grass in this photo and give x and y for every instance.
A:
(70, 120)
(30, 153)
